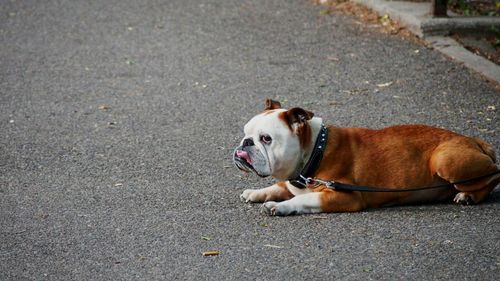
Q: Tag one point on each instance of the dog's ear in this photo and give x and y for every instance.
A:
(272, 104)
(298, 115)
(296, 118)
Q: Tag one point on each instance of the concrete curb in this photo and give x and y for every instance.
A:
(455, 50)
(445, 26)
(416, 17)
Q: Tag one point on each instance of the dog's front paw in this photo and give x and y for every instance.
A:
(245, 195)
(250, 195)
(278, 209)
(270, 208)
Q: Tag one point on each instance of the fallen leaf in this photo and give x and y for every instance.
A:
(395, 30)
(355, 91)
(273, 246)
(325, 12)
(367, 269)
(319, 217)
(210, 253)
(385, 84)
(206, 238)
(385, 20)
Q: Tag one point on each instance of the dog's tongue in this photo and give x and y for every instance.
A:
(244, 155)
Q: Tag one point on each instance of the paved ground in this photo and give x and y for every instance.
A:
(132, 190)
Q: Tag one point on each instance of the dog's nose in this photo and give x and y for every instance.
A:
(248, 142)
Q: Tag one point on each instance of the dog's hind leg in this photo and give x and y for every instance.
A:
(473, 197)
(464, 159)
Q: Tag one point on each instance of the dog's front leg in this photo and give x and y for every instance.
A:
(301, 204)
(275, 192)
(326, 201)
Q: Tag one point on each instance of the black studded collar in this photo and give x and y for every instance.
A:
(313, 163)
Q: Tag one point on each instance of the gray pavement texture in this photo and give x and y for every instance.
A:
(138, 189)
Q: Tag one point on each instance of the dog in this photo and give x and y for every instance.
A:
(295, 147)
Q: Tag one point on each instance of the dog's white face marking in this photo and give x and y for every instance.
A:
(276, 150)
(277, 142)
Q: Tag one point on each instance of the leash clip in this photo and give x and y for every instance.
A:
(330, 185)
(316, 182)
(308, 181)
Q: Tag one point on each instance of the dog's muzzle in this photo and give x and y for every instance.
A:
(242, 160)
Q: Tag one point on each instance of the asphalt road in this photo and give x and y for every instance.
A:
(118, 119)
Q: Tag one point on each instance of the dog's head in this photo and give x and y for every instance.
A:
(277, 141)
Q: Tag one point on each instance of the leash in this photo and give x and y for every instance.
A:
(334, 185)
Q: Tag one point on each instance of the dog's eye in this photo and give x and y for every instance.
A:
(266, 139)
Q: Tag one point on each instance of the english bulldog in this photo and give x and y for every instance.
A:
(293, 145)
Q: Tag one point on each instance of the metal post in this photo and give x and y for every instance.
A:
(438, 8)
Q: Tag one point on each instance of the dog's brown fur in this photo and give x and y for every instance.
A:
(403, 157)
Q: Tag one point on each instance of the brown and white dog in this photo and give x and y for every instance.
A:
(279, 143)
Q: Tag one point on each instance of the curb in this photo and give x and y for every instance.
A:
(445, 26)
(456, 51)
(415, 16)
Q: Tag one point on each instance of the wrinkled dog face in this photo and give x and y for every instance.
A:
(271, 145)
